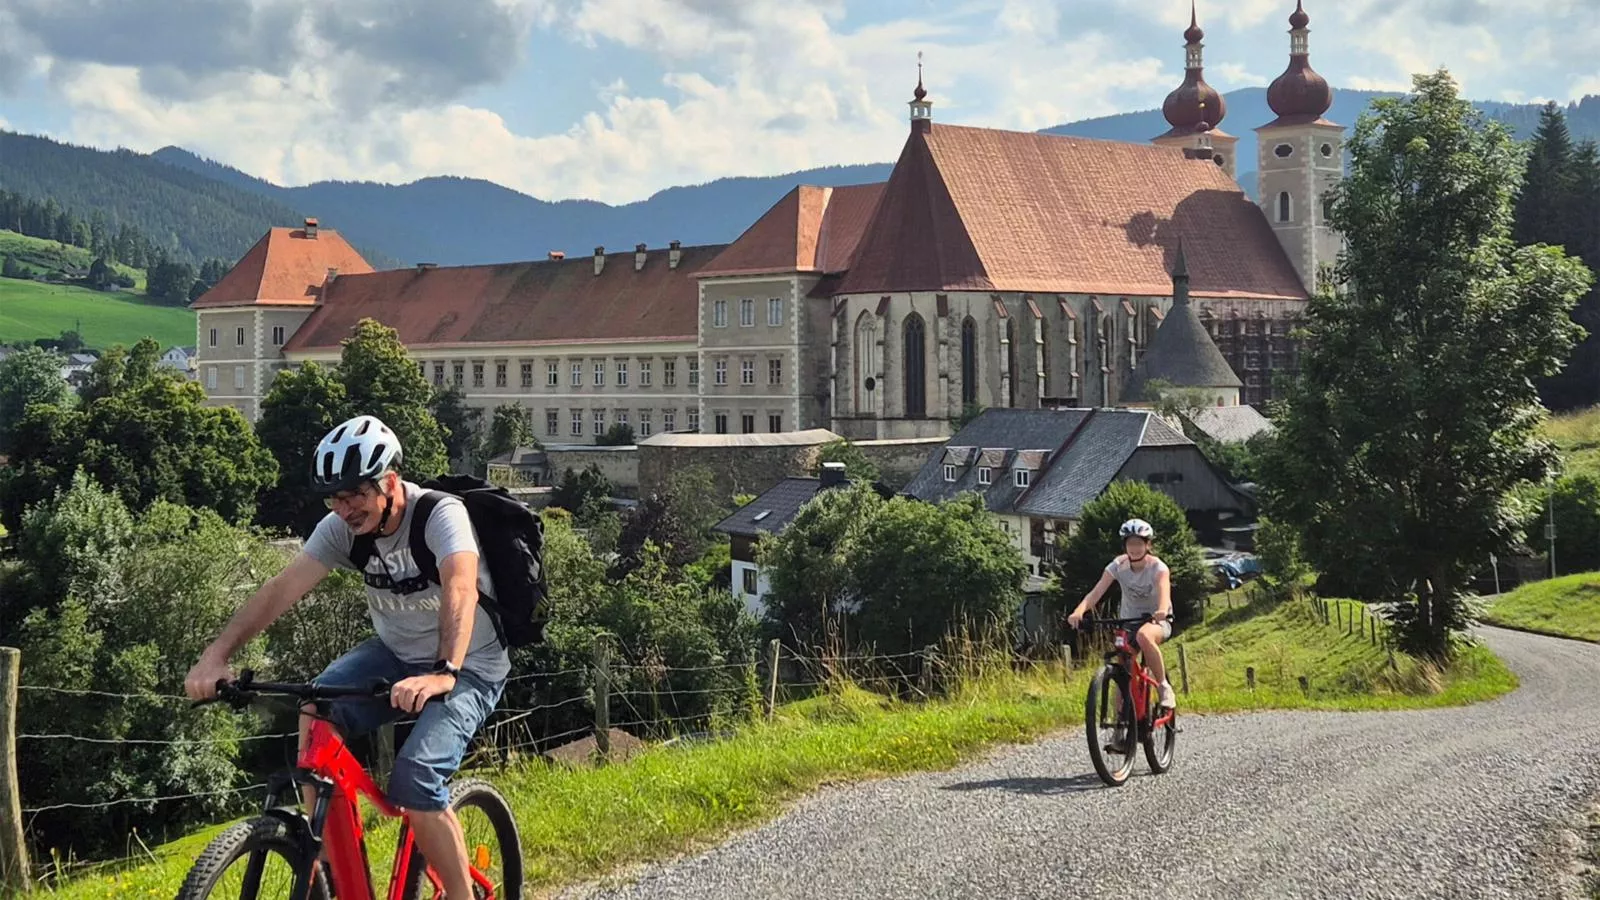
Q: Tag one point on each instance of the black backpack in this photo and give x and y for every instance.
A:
(511, 540)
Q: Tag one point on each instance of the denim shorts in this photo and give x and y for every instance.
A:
(433, 751)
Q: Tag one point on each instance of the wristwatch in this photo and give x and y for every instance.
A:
(444, 665)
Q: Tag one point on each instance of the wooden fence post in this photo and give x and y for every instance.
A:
(772, 678)
(1338, 614)
(925, 677)
(1305, 685)
(1066, 658)
(14, 874)
(602, 694)
(1250, 677)
(1183, 669)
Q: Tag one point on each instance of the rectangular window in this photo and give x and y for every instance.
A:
(775, 311)
(747, 312)
(720, 420)
(985, 474)
(599, 422)
(211, 378)
(552, 422)
(719, 314)
(238, 378)
(525, 370)
(577, 374)
(213, 337)
(644, 423)
(438, 374)
(622, 373)
(458, 374)
(644, 373)
(694, 372)
(599, 374)
(749, 580)
(722, 371)
(669, 373)
(500, 374)
(774, 372)
(774, 423)
(477, 374)
(577, 423)
(747, 423)
(622, 417)
(747, 371)
(552, 375)
(950, 473)
(239, 336)
(1021, 479)
(694, 420)
(277, 335)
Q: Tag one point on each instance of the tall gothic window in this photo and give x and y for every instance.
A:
(1283, 206)
(865, 350)
(916, 387)
(969, 362)
(1011, 360)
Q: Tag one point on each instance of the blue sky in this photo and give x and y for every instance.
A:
(616, 99)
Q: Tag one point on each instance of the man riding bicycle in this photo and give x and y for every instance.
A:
(430, 641)
(1146, 584)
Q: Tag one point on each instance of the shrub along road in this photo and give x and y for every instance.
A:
(1479, 801)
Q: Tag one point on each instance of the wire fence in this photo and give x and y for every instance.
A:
(611, 707)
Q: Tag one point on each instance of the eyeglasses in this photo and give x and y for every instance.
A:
(344, 499)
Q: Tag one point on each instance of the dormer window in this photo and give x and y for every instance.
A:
(950, 473)
(1021, 477)
(985, 475)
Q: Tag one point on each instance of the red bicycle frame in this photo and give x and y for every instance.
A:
(1140, 681)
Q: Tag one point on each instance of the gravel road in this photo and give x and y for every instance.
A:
(1482, 801)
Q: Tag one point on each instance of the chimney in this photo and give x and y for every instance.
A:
(311, 228)
(599, 259)
(333, 272)
(674, 254)
(833, 475)
(424, 266)
(558, 254)
(638, 257)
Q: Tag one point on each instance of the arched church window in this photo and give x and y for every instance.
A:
(969, 362)
(1284, 208)
(916, 386)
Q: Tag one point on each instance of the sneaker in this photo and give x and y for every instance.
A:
(1168, 699)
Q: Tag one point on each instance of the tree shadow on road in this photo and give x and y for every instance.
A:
(1085, 782)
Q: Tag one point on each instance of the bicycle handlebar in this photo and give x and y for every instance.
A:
(240, 692)
(1137, 620)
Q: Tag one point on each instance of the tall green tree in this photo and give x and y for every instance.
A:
(508, 431)
(1544, 206)
(303, 405)
(144, 432)
(169, 283)
(1414, 414)
(381, 380)
(459, 424)
(29, 376)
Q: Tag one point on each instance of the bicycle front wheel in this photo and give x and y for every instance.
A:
(254, 860)
(1109, 725)
(494, 847)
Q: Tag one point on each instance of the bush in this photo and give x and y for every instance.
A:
(1278, 547)
(1576, 500)
(1083, 556)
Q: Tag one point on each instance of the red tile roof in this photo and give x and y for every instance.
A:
(977, 209)
(526, 302)
(812, 229)
(285, 267)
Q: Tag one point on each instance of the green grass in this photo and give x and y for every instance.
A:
(1568, 606)
(585, 823)
(1577, 437)
(38, 255)
(30, 310)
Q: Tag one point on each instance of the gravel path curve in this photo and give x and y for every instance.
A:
(1481, 801)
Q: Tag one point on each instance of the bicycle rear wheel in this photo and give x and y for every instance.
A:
(494, 846)
(1109, 725)
(254, 860)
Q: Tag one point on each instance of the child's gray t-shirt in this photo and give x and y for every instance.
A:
(1139, 596)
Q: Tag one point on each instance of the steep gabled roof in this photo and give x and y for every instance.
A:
(528, 302)
(812, 229)
(1181, 352)
(285, 268)
(978, 209)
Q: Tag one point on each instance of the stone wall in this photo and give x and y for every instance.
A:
(619, 464)
(899, 460)
(739, 463)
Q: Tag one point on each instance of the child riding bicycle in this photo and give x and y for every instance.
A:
(1146, 584)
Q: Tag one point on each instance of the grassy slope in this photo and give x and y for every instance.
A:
(30, 309)
(1577, 436)
(38, 255)
(1566, 607)
(583, 823)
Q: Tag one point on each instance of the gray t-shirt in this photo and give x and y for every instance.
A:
(408, 624)
(1139, 595)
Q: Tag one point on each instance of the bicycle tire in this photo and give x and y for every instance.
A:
(1105, 681)
(483, 796)
(1167, 735)
(265, 833)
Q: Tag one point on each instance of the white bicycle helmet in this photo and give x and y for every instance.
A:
(1137, 528)
(355, 452)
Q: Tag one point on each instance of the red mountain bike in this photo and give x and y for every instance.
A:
(279, 848)
(1120, 709)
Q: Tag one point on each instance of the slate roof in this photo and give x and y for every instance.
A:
(1181, 351)
(1085, 448)
(1232, 424)
(981, 209)
(773, 510)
